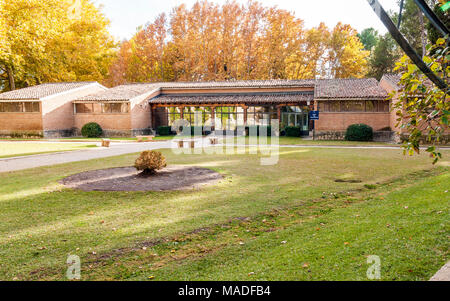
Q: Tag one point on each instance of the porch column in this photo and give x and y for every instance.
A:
(181, 108)
(152, 116)
(213, 118)
(245, 114)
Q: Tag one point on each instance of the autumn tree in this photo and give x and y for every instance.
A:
(346, 55)
(308, 62)
(52, 40)
(423, 110)
(236, 42)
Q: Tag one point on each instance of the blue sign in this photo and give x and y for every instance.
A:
(314, 115)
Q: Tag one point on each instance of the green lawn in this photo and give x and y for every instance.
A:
(300, 141)
(15, 149)
(237, 227)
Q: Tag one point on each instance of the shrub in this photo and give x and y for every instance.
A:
(164, 130)
(359, 132)
(293, 131)
(150, 161)
(91, 130)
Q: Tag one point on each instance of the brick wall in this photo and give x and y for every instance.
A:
(20, 123)
(389, 87)
(341, 121)
(141, 111)
(113, 125)
(57, 112)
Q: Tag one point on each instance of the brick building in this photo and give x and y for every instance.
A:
(135, 109)
(43, 110)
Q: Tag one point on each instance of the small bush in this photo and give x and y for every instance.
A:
(164, 130)
(150, 161)
(359, 132)
(293, 131)
(91, 130)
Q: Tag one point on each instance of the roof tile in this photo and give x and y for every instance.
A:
(42, 91)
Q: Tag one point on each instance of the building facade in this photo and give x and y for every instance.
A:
(137, 109)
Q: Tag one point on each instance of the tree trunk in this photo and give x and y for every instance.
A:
(423, 34)
(12, 83)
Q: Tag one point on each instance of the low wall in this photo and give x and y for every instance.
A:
(444, 140)
(378, 136)
(59, 133)
(341, 121)
(21, 134)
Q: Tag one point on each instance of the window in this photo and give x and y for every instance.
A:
(384, 106)
(226, 118)
(354, 106)
(371, 106)
(31, 107)
(173, 114)
(115, 108)
(19, 107)
(261, 115)
(84, 108)
(106, 108)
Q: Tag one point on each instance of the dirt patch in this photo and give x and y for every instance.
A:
(128, 179)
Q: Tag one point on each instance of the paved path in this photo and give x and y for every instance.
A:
(443, 274)
(116, 149)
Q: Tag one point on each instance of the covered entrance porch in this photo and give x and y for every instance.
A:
(233, 113)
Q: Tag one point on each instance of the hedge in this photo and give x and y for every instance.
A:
(293, 131)
(91, 130)
(164, 130)
(359, 132)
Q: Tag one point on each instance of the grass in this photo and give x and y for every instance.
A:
(16, 149)
(198, 234)
(300, 141)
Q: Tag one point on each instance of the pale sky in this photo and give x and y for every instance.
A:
(127, 15)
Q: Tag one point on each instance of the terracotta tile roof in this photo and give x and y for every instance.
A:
(349, 89)
(42, 91)
(258, 98)
(240, 84)
(394, 79)
(120, 93)
(324, 89)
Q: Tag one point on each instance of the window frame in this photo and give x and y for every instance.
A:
(22, 107)
(380, 107)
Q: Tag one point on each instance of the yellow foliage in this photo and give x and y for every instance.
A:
(54, 40)
(150, 162)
